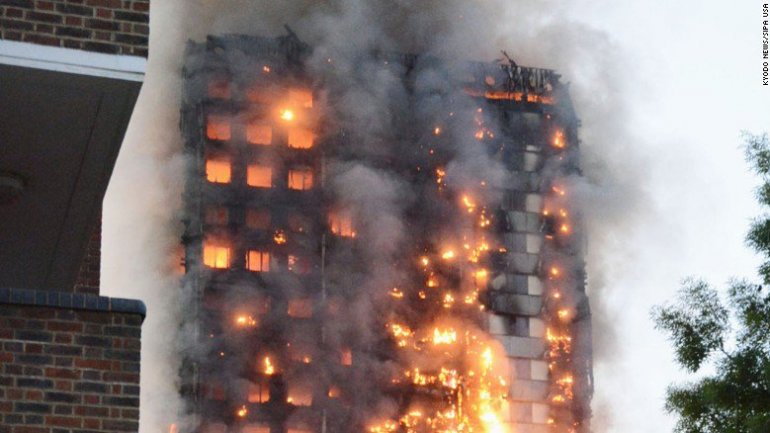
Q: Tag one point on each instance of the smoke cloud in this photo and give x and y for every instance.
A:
(143, 206)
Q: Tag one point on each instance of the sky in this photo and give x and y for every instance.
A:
(691, 81)
(699, 63)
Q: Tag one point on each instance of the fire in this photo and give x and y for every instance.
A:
(218, 128)
(300, 138)
(447, 336)
(287, 115)
(559, 141)
(440, 174)
(341, 224)
(346, 357)
(216, 256)
(218, 170)
(469, 204)
(449, 299)
(333, 392)
(245, 320)
(463, 378)
(269, 369)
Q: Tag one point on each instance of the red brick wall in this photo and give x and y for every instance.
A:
(106, 26)
(90, 268)
(65, 370)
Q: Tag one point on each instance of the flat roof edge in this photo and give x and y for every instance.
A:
(120, 67)
(75, 301)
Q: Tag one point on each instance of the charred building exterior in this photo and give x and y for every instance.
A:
(472, 318)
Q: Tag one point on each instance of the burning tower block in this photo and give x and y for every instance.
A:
(344, 277)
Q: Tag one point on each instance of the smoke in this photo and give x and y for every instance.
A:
(143, 205)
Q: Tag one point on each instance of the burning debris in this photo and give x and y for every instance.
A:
(345, 277)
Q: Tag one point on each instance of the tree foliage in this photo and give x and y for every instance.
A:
(732, 337)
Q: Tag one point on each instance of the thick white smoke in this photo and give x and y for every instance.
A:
(141, 213)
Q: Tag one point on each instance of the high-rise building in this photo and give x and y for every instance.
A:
(422, 272)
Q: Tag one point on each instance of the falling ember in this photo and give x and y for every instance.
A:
(242, 412)
(266, 69)
(564, 228)
(396, 293)
(437, 131)
(448, 255)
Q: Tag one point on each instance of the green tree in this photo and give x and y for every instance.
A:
(732, 337)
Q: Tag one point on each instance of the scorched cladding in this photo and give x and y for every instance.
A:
(418, 273)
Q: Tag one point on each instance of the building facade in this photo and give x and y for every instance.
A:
(319, 301)
(71, 73)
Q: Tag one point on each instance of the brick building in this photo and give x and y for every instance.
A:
(70, 73)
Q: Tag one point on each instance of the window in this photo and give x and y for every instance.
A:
(257, 219)
(216, 256)
(219, 89)
(300, 308)
(341, 224)
(259, 392)
(259, 95)
(259, 176)
(298, 223)
(215, 428)
(216, 215)
(346, 357)
(218, 128)
(300, 138)
(257, 133)
(299, 394)
(301, 97)
(298, 265)
(218, 170)
(334, 392)
(256, 428)
(300, 179)
(258, 261)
